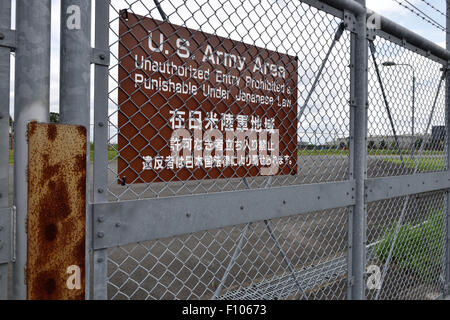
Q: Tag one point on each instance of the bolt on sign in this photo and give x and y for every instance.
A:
(198, 106)
(56, 223)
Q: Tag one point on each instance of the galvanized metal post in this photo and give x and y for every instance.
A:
(447, 202)
(32, 86)
(358, 232)
(75, 62)
(101, 55)
(351, 171)
(5, 24)
(75, 76)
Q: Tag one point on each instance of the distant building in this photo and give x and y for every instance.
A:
(438, 134)
(385, 141)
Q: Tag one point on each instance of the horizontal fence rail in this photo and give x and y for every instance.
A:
(125, 222)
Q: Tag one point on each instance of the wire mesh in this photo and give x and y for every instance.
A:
(293, 29)
(416, 268)
(410, 82)
(411, 259)
(300, 257)
(303, 256)
(297, 257)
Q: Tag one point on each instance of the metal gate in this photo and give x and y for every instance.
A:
(365, 214)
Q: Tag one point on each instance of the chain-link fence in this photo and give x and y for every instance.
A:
(404, 112)
(300, 256)
(406, 135)
(257, 149)
(276, 259)
(297, 30)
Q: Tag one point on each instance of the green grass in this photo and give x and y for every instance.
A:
(418, 248)
(427, 164)
(112, 153)
(387, 152)
(323, 152)
(374, 152)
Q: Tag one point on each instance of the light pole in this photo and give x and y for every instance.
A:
(393, 64)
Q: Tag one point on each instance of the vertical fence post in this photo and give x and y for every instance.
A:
(5, 24)
(75, 73)
(447, 160)
(32, 89)
(351, 155)
(101, 136)
(359, 126)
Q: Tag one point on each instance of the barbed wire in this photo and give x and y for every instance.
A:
(434, 8)
(420, 14)
(423, 13)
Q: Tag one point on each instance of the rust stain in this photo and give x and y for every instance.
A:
(45, 286)
(51, 132)
(56, 209)
(31, 128)
(81, 130)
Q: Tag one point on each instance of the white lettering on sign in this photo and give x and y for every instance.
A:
(242, 148)
(266, 68)
(232, 104)
(183, 48)
(228, 60)
(215, 57)
(74, 18)
(74, 280)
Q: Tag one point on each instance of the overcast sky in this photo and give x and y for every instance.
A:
(392, 10)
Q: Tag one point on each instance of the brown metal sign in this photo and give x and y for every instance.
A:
(56, 211)
(176, 83)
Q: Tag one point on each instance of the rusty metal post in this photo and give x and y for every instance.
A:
(5, 25)
(75, 81)
(56, 224)
(32, 89)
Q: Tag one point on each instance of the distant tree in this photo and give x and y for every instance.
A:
(383, 144)
(371, 144)
(54, 117)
